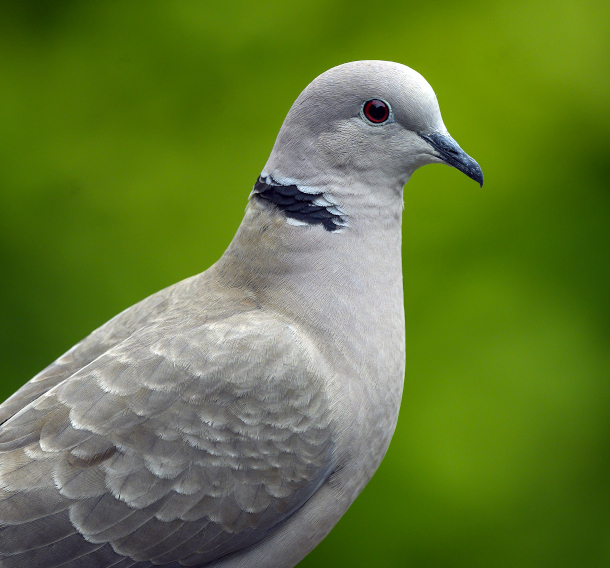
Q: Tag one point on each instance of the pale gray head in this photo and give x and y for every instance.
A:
(363, 124)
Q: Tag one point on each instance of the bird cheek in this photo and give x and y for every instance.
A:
(413, 154)
(342, 149)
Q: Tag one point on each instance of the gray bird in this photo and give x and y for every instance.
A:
(229, 420)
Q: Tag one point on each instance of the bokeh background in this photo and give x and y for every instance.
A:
(131, 133)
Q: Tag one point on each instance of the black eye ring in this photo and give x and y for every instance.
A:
(376, 111)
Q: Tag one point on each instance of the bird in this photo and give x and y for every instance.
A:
(231, 419)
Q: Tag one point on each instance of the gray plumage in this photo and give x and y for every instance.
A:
(231, 419)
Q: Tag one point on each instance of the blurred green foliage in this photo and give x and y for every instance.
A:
(131, 133)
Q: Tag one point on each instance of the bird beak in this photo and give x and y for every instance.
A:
(450, 152)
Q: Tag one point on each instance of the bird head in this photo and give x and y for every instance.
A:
(365, 122)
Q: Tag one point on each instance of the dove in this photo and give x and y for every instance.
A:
(230, 420)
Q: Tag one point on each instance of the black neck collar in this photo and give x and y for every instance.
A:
(297, 204)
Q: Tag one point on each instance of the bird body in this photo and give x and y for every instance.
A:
(232, 418)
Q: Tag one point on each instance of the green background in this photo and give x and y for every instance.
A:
(132, 132)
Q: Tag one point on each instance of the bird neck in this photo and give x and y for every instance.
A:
(319, 277)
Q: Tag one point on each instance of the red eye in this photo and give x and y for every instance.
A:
(376, 111)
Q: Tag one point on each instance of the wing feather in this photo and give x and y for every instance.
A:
(95, 344)
(177, 445)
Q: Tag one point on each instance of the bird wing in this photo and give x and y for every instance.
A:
(179, 445)
(91, 347)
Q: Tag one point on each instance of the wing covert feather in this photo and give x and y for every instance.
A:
(178, 445)
(99, 341)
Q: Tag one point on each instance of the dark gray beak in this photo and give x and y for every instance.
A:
(450, 152)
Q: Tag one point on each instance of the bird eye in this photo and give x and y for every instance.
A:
(376, 110)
